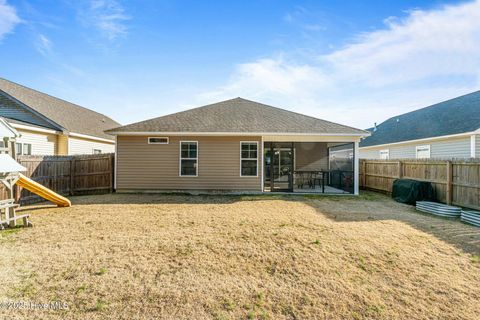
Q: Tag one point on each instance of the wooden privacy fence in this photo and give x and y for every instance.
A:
(455, 181)
(67, 175)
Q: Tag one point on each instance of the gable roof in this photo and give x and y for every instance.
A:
(458, 115)
(6, 130)
(58, 114)
(238, 116)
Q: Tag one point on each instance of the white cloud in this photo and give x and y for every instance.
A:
(8, 18)
(43, 45)
(429, 56)
(108, 16)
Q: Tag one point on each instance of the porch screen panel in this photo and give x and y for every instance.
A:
(341, 162)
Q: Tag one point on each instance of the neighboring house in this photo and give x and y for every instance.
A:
(9, 135)
(237, 145)
(51, 126)
(450, 129)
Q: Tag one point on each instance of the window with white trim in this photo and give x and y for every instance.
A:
(248, 159)
(422, 152)
(188, 158)
(384, 154)
(23, 148)
(157, 140)
(97, 151)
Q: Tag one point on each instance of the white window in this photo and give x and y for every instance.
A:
(248, 158)
(97, 151)
(384, 154)
(422, 152)
(188, 158)
(25, 148)
(158, 140)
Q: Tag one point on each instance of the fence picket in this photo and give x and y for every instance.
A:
(455, 181)
(67, 175)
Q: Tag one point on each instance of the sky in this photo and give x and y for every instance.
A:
(352, 62)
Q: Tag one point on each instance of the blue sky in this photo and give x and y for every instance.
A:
(354, 62)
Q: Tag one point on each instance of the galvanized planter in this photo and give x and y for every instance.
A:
(439, 209)
(471, 217)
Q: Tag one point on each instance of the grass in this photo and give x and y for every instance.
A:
(249, 257)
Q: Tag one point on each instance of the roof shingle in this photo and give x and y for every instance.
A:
(458, 115)
(238, 116)
(71, 117)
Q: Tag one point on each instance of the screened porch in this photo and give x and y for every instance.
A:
(309, 167)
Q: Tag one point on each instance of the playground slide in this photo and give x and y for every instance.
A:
(42, 191)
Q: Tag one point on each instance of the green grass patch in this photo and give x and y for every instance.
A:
(100, 272)
(9, 231)
(100, 305)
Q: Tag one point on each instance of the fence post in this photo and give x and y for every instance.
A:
(400, 169)
(364, 169)
(449, 193)
(72, 176)
(112, 168)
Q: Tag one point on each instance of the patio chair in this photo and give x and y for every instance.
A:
(320, 178)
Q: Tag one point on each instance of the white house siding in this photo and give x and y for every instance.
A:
(477, 147)
(42, 143)
(370, 153)
(85, 146)
(450, 148)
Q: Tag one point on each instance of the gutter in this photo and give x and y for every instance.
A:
(146, 133)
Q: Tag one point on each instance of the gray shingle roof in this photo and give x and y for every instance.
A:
(69, 116)
(238, 116)
(458, 115)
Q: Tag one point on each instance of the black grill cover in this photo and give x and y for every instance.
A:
(409, 191)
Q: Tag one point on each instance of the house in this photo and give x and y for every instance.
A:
(450, 129)
(51, 126)
(237, 145)
(9, 134)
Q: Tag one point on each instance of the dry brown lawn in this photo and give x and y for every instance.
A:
(220, 257)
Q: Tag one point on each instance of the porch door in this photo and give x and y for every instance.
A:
(279, 164)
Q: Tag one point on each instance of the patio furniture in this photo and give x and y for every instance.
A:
(8, 216)
(319, 177)
(310, 178)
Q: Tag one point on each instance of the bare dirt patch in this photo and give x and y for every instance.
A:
(166, 256)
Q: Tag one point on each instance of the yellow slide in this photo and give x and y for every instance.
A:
(42, 191)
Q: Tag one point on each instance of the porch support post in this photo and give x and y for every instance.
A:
(262, 159)
(356, 164)
(272, 155)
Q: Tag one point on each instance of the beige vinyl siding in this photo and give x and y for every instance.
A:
(86, 146)
(42, 143)
(143, 166)
(448, 148)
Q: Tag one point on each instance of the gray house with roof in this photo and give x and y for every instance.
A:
(450, 129)
(237, 145)
(52, 126)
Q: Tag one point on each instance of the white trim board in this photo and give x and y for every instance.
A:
(51, 131)
(86, 136)
(31, 128)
